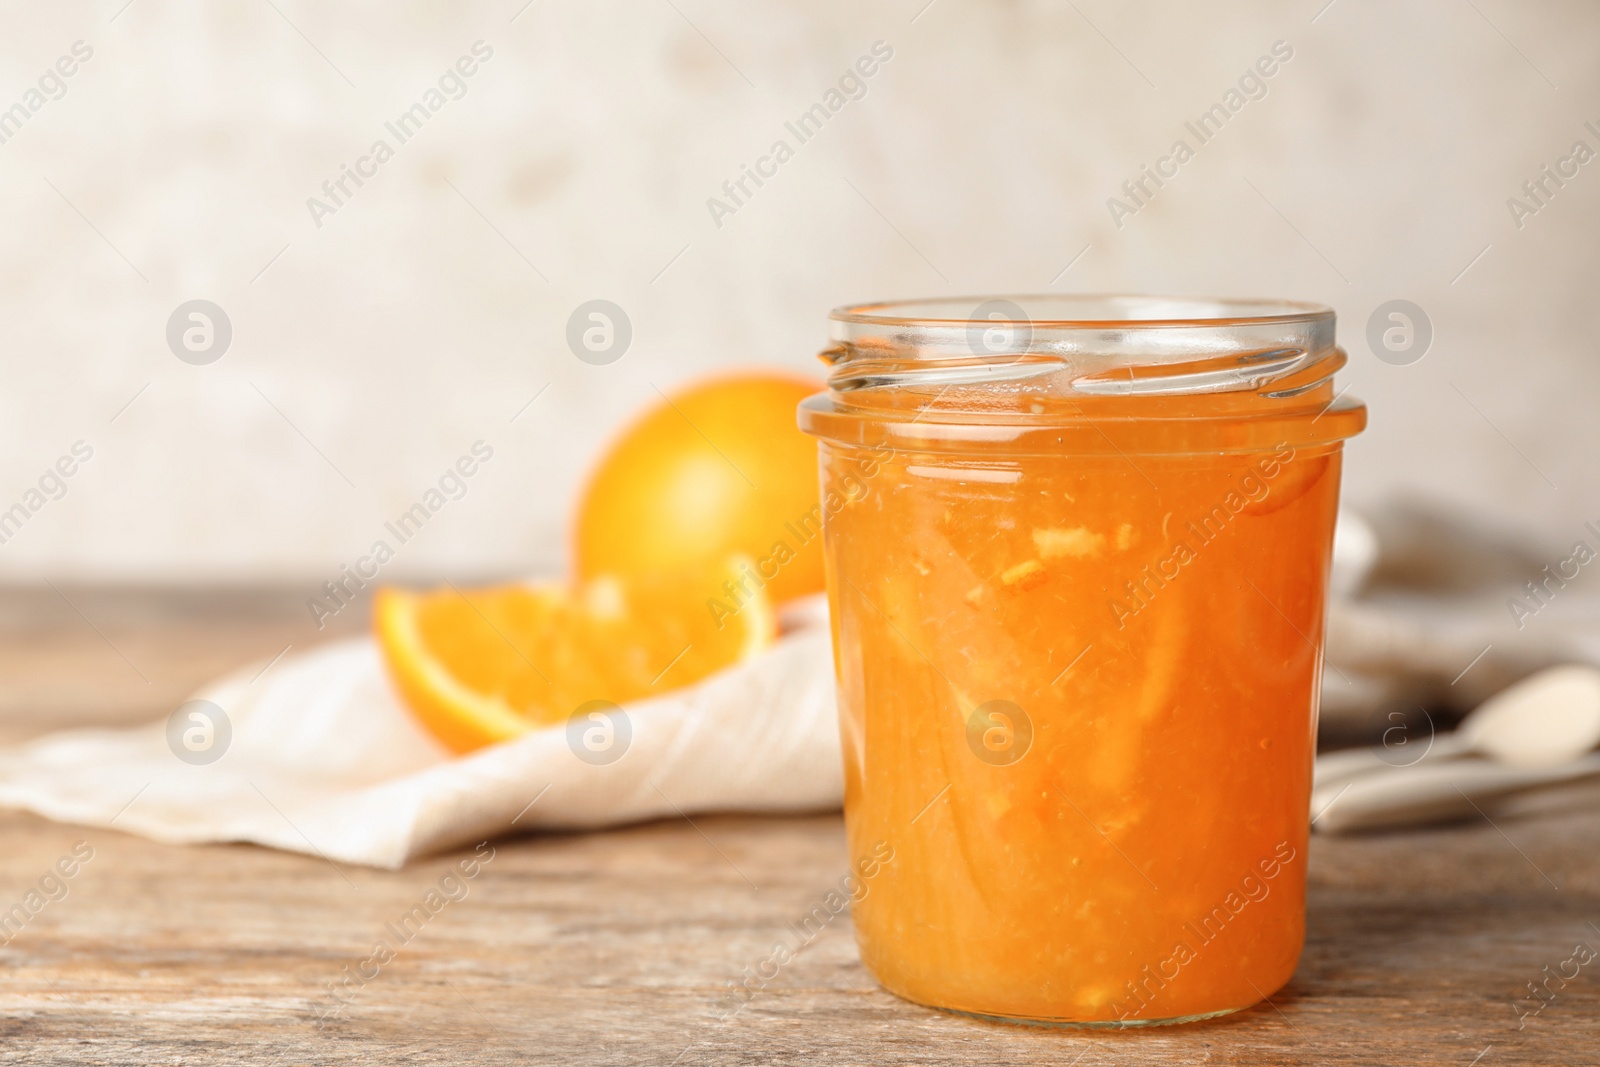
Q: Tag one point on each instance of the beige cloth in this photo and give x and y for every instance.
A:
(324, 760)
(1430, 622)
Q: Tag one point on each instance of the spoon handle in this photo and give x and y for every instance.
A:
(1336, 768)
(1440, 791)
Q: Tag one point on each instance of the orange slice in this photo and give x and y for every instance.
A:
(479, 666)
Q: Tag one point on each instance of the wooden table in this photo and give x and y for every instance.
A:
(615, 948)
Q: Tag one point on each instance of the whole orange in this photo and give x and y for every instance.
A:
(715, 470)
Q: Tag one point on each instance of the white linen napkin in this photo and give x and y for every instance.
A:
(324, 759)
(1449, 613)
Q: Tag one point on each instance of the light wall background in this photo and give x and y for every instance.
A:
(372, 351)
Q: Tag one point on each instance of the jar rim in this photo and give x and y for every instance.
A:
(1084, 343)
(1193, 372)
(1077, 311)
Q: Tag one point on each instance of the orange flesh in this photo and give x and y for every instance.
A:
(479, 666)
(1144, 858)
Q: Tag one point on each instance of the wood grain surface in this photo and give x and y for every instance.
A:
(618, 947)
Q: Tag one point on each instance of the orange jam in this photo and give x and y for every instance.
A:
(1077, 552)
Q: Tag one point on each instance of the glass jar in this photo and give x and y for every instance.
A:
(1077, 552)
